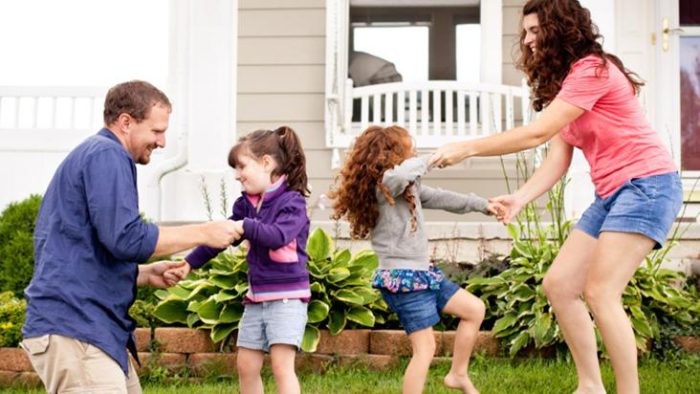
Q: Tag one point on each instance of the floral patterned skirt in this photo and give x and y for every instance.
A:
(406, 280)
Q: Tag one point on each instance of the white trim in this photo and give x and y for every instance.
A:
(337, 25)
(491, 21)
(202, 82)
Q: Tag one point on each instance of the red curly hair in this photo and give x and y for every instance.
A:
(376, 150)
(566, 35)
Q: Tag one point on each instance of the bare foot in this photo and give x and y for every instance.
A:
(581, 390)
(460, 382)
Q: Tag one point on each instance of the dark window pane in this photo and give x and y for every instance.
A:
(689, 12)
(690, 103)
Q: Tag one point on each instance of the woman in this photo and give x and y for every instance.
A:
(587, 99)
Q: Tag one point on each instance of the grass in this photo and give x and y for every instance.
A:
(490, 376)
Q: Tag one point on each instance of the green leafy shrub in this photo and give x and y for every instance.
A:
(342, 296)
(211, 297)
(17, 244)
(12, 311)
(522, 313)
(515, 298)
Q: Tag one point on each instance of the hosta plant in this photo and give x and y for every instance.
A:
(211, 298)
(522, 313)
(340, 288)
(515, 298)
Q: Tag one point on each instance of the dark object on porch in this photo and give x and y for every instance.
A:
(367, 69)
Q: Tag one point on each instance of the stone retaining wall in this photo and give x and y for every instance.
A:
(184, 348)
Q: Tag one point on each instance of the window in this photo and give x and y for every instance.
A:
(420, 37)
(380, 41)
(690, 85)
(468, 43)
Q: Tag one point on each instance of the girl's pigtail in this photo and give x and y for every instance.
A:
(293, 160)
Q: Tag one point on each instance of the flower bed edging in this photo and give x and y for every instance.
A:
(184, 348)
(689, 344)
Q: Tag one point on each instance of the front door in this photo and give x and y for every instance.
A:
(677, 52)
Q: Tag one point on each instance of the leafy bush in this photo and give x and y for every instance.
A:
(12, 312)
(524, 317)
(211, 298)
(515, 298)
(342, 295)
(657, 296)
(17, 244)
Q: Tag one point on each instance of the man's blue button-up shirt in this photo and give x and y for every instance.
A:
(88, 241)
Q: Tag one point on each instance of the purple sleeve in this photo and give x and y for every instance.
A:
(202, 254)
(288, 223)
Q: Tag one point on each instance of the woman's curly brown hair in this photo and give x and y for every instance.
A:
(566, 34)
(375, 151)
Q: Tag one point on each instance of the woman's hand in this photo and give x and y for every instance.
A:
(449, 154)
(497, 210)
(511, 205)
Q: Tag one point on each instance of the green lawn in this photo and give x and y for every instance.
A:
(490, 376)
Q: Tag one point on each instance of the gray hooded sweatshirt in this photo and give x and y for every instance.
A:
(396, 245)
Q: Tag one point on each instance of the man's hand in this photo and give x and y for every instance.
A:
(154, 274)
(174, 275)
(239, 228)
(221, 233)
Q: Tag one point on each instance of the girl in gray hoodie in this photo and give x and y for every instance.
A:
(381, 195)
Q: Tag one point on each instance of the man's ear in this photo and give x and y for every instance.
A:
(124, 120)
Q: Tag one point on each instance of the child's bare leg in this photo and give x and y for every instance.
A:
(423, 345)
(470, 311)
(249, 364)
(283, 368)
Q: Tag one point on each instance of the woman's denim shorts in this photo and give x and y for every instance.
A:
(420, 309)
(647, 206)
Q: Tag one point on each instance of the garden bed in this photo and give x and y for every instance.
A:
(183, 349)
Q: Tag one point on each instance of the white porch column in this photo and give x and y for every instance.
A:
(203, 88)
(580, 191)
(491, 41)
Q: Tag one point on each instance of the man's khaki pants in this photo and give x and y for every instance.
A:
(67, 365)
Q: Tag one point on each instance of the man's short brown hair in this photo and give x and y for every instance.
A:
(135, 98)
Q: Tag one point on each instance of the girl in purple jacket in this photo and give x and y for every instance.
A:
(271, 215)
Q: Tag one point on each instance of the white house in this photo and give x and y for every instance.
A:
(239, 65)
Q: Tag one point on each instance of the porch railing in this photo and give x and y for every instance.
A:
(57, 107)
(434, 112)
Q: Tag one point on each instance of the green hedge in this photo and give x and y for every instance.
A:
(17, 244)
(12, 311)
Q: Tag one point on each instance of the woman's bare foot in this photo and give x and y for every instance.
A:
(460, 382)
(581, 390)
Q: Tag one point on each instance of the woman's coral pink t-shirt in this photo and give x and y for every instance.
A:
(613, 133)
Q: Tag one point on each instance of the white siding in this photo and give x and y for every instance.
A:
(281, 66)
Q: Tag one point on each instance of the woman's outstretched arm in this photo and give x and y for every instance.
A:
(552, 169)
(557, 115)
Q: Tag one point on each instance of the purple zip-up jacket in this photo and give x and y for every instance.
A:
(277, 235)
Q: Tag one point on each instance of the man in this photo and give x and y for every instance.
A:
(88, 241)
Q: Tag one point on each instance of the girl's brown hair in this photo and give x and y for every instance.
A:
(283, 145)
(566, 34)
(375, 151)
